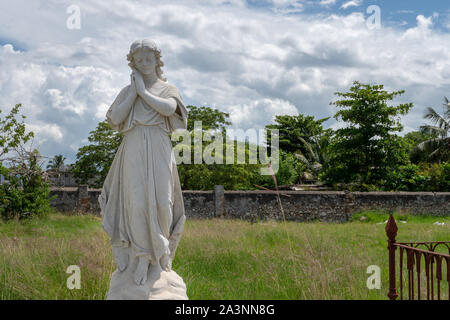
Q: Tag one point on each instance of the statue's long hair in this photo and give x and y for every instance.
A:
(149, 45)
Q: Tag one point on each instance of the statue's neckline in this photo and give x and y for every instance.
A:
(156, 87)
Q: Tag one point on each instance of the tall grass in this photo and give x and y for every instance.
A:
(35, 254)
(217, 258)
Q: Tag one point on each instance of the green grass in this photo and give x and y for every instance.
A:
(218, 259)
(379, 216)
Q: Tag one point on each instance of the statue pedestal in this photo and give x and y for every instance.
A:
(160, 285)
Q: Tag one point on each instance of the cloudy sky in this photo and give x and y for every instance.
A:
(253, 59)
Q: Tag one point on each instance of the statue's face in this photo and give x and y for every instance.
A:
(145, 61)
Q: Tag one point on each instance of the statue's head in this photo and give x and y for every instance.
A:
(145, 56)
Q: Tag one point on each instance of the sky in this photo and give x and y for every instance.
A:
(252, 59)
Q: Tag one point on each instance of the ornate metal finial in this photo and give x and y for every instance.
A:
(391, 228)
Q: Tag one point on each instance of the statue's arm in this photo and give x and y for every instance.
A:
(120, 108)
(164, 106)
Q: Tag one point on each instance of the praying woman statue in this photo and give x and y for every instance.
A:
(141, 200)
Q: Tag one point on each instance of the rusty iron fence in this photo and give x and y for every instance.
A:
(436, 266)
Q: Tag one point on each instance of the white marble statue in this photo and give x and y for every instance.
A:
(141, 200)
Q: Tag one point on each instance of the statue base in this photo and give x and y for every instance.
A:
(160, 285)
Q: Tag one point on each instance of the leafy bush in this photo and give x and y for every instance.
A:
(24, 191)
(288, 171)
(439, 176)
(423, 177)
(24, 194)
(406, 178)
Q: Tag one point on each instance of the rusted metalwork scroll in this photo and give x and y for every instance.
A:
(436, 267)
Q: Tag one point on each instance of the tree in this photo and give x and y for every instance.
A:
(25, 191)
(367, 149)
(210, 118)
(204, 176)
(414, 138)
(56, 163)
(13, 132)
(298, 133)
(232, 176)
(94, 160)
(311, 165)
(437, 148)
(305, 138)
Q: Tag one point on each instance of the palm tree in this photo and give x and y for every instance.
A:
(315, 157)
(56, 163)
(438, 147)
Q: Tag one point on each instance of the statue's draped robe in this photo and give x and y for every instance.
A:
(141, 200)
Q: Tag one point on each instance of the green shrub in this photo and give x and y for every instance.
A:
(423, 177)
(439, 174)
(288, 171)
(23, 195)
(406, 178)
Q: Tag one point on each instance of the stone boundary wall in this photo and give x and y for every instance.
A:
(260, 204)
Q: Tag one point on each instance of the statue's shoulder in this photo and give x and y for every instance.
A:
(169, 85)
(124, 89)
(122, 94)
(171, 89)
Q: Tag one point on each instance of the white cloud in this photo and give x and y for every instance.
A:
(261, 111)
(46, 132)
(8, 49)
(287, 6)
(327, 2)
(61, 102)
(252, 63)
(423, 22)
(447, 23)
(351, 3)
(422, 29)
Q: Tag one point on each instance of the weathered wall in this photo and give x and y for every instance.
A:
(81, 199)
(297, 205)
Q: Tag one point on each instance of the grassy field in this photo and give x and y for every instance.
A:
(218, 259)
